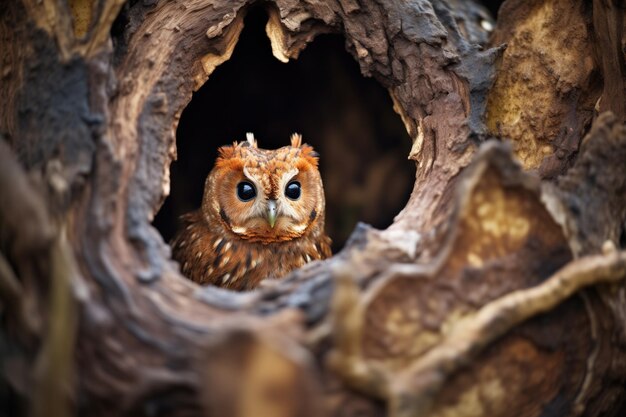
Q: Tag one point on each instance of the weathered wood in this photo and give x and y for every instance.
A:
(608, 23)
(548, 82)
(493, 293)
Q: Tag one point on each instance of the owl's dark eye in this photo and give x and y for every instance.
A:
(245, 191)
(293, 190)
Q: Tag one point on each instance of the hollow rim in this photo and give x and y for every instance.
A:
(156, 86)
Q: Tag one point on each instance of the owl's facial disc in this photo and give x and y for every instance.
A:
(265, 195)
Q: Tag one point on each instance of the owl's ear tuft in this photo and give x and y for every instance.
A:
(308, 153)
(296, 140)
(226, 152)
(250, 140)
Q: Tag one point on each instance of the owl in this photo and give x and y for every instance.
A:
(262, 216)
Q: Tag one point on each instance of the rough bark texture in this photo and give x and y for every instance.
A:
(493, 293)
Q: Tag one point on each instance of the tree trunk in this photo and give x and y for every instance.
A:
(498, 291)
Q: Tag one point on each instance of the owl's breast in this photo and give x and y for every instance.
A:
(208, 255)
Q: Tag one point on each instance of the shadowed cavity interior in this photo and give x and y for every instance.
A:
(347, 118)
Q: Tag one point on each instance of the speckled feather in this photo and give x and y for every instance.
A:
(227, 242)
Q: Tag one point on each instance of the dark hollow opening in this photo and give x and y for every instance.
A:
(493, 6)
(347, 118)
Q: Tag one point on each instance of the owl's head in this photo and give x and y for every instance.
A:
(265, 195)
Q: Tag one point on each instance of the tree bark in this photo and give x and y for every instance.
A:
(498, 291)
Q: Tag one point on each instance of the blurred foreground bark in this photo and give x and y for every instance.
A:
(498, 291)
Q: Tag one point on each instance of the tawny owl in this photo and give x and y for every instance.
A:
(262, 216)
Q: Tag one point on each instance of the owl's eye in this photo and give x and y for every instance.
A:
(292, 190)
(245, 191)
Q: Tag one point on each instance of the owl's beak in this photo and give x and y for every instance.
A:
(271, 213)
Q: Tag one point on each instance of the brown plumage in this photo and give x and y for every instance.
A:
(262, 216)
